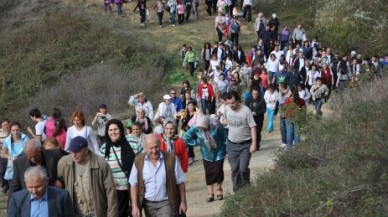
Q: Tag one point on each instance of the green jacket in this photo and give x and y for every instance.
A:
(190, 57)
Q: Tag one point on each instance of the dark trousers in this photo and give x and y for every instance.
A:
(248, 12)
(102, 139)
(207, 64)
(123, 203)
(188, 11)
(181, 18)
(191, 68)
(214, 5)
(160, 18)
(219, 34)
(283, 131)
(209, 7)
(234, 38)
(239, 158)
(259, 126)
(190, 150)
(3, 167)
(142, 15)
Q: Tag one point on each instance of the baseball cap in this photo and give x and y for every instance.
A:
(77, 144)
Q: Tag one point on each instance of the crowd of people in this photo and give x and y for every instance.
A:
(120, 168)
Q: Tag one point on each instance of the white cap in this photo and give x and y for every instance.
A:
(165, 97)
(274, 15)
(281, 67)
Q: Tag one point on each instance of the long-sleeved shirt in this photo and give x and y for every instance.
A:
(87, 133)
(146, 105)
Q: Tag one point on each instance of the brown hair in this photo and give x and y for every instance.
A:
(78, 114)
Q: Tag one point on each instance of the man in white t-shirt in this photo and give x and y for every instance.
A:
(36, 116)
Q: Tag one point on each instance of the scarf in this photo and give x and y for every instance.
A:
(170, 142)
(144, 122)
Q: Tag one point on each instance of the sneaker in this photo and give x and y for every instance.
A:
(142, 24)
(160, 26)
(173, 24)
(191, 161)
(283, 145)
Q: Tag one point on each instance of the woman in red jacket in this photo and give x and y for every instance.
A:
(206, 94)
(327, 78)
(170, 142)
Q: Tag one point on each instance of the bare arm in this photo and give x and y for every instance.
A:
(182, 193)
(254, 136)
(135, 208)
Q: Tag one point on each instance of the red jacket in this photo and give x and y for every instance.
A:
(210, 91)
(326, 76)
(180, 151)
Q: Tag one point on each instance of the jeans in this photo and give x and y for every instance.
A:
(239, 157)
(341, 85)
(283, 129)
(318, 105)
(172, 18)
(292, 133)
(271, 75)
(160, 17)
(270, 113)
(119, 9)
(205, 106)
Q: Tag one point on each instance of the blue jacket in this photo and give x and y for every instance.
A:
(59, 203)
(178, 103)
(194, 136)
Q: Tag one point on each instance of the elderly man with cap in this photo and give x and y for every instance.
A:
(34, 156)
(166, 108)
(101, 118)
(88, 178)
(140, 101)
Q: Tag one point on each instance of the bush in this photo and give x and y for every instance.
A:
(338, 170)
(58, 40)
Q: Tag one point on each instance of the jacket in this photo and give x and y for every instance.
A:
(101, 183)
(180, 151)
(194, 137)
(172, 187)
(20, 165)
(59, 203)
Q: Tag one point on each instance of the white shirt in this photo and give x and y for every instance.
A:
(154, 178)
(39, 130)
(271, 99)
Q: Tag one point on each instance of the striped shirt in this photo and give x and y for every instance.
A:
(118, 175)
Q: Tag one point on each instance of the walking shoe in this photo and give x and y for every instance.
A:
(191, 161)
(283, 145)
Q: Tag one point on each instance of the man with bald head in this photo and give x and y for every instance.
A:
(157, 182)
(34, 155)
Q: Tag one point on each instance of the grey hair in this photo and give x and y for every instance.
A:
(36, 170)
(37, 144)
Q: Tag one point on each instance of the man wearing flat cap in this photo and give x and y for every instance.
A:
(89, 180)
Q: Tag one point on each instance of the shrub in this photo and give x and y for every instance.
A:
(338, 170)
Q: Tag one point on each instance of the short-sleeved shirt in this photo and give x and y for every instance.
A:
(39, 130)
(240, 123)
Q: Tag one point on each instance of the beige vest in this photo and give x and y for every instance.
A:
(83, 199)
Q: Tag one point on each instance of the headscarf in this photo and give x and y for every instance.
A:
(203, 122)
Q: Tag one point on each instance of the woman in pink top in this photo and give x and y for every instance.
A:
(181, 12)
